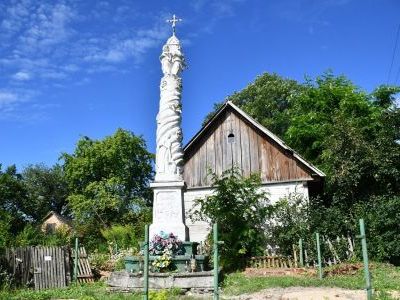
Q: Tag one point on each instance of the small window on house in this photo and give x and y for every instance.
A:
(231, 138)
(50, 227)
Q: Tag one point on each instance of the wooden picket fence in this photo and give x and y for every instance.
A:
(45, 267)
(18, 263)
(51, 267)
(272, 260)
(84, 271)
(269, 261)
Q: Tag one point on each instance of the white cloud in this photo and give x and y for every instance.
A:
(10, 99)
(18, 105)
(7, 98)
(39, 38)
(49, 44)
(122, 48)
(22, 76)
(47, 26)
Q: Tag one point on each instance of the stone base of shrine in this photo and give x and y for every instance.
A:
(168, 209)
(196, 281)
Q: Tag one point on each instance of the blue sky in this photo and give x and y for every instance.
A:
(84, 68)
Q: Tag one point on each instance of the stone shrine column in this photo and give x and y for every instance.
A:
(168, 187)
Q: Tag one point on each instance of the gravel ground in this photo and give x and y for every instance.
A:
(300, 293)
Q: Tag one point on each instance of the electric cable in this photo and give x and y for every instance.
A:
(394, 54)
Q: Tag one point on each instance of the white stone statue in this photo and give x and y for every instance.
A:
(168, 187)
(169, 153)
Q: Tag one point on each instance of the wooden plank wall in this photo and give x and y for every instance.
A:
(252, 152)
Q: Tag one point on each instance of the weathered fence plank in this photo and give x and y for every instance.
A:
(274, 261)
(84, 271)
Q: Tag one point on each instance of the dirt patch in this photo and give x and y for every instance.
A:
(299, 293)
(343, 269)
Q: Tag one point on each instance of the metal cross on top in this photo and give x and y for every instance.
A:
(174, 20)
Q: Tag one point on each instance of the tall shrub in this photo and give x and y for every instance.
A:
(240, 209)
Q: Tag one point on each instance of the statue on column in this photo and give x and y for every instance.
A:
(168, 186)
(169, 155)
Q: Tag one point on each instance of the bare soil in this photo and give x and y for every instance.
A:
(303, 293)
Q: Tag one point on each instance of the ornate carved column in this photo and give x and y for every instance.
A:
(168, 209)
(169, 155)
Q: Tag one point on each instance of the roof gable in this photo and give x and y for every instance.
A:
(58, 216)
(256, 150)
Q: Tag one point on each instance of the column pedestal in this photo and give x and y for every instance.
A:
(168, 209)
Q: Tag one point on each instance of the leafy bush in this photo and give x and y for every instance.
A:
(120, 237)
(382, 219)
(100, 261)
(240, 209)
(106, 262)
(30, 236)
(62, 236)
(289, 221)
(6, 279)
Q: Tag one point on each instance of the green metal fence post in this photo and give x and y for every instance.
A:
(76, 260)
(363, 238)
(319, 256)
(146, 263)
(215, 231)
(301, 252)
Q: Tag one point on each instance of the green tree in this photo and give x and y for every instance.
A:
(46, 190)
(267, 100)
(384, 95)
(108, 179)
(240, 209)
(12, 194)
(324, 101)
(5, 228)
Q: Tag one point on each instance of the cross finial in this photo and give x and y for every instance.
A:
(174, 20)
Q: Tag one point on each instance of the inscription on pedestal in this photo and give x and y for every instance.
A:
(167, 208)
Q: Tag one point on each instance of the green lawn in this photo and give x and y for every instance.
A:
(94, 291)
(384, 278)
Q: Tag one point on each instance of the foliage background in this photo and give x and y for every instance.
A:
(102, 186)
(354, 137)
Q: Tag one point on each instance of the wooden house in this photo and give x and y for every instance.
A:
(53, 221)
(232, 138)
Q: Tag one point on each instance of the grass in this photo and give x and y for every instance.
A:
(385, 278)
(94, 291)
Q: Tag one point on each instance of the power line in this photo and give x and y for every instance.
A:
(394, 54)
(397, 76)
